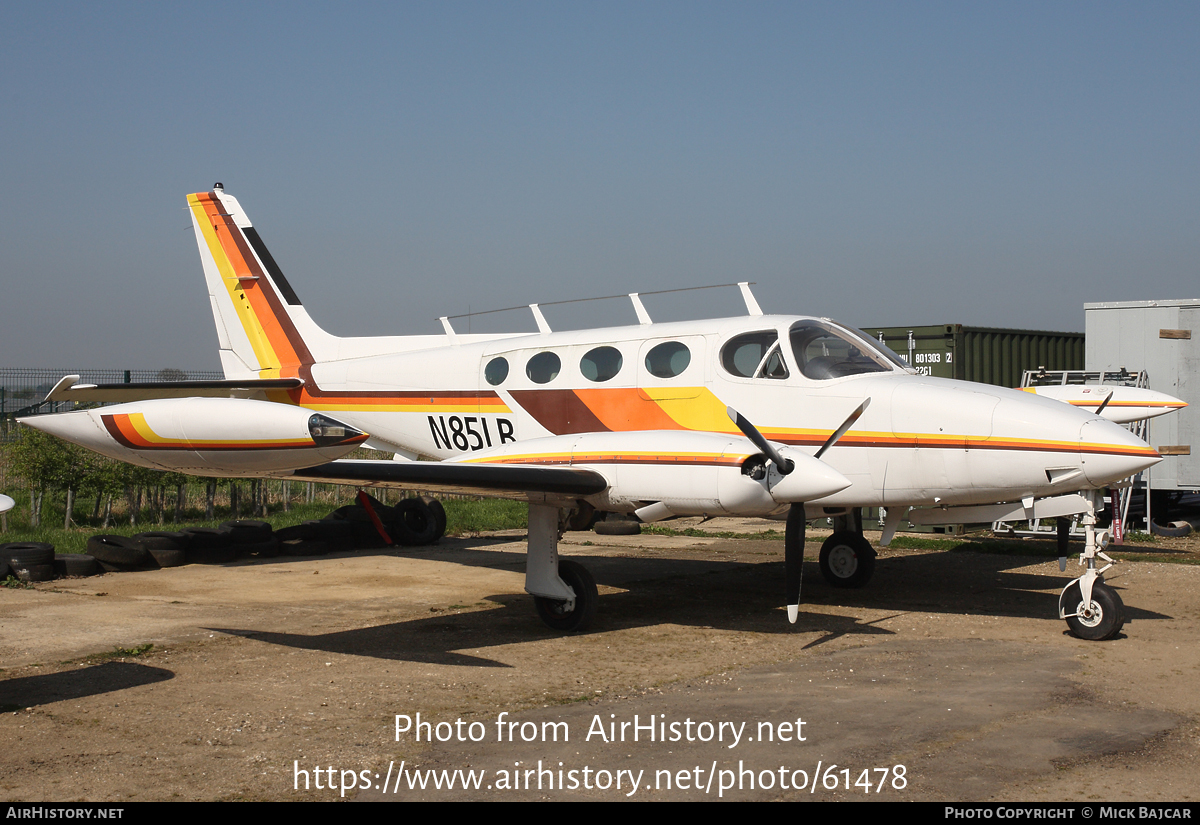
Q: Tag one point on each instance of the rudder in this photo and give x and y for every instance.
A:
(263, 329)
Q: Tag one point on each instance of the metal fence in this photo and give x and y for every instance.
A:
(23, 390)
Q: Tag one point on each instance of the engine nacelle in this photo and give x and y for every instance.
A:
(206, 436)
(680, 472)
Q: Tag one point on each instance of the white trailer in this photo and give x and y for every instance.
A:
(1163, 339)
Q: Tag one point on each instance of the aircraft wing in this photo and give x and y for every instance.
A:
(69, 389)
(495, 480)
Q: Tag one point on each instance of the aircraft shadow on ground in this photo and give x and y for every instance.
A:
(722, 594)
(30, 691)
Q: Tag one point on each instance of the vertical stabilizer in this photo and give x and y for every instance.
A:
(263, 330)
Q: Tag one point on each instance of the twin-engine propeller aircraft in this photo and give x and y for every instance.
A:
(759, 415)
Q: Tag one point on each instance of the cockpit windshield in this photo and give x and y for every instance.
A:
(823, 350)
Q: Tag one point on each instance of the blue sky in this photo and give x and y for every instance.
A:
(881, 163)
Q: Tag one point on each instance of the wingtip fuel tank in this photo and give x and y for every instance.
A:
(206, 436)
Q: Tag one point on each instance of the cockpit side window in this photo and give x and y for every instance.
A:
(823, 350)
(754, 355)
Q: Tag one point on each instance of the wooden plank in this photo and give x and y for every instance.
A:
(1174, 449)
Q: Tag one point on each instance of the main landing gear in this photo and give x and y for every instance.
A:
(1092, 609)
(847, 559)
(563, 590)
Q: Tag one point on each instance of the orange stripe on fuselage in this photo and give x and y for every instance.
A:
(132, 431)
(680, 459)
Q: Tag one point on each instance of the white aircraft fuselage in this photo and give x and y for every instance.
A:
(637, 418)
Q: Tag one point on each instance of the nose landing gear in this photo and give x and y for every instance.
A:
(1092, 609)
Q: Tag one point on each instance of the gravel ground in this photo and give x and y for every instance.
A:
(947, 678)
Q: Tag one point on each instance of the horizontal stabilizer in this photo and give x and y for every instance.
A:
(496, 480)
(69, 389)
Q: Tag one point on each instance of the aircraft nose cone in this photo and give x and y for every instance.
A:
(1110, 452)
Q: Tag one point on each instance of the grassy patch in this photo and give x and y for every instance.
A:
(466, 516)
(462, 516)
(695, 532)
(125, 652)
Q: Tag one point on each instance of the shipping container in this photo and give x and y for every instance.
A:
(989, 356)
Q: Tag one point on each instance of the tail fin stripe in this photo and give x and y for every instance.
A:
(274, 339)
(273, 269)
(208, 218)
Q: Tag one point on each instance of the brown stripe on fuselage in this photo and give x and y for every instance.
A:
(559, 411)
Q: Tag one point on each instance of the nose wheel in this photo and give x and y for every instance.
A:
(1100, 618)
(1092, 609)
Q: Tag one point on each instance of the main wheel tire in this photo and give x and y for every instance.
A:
(1103, 620)
(847, 560)
(554, 612)
(617, 527)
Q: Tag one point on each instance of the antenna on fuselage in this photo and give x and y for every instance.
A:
(642, 315)
(752, 307)
(538, 317)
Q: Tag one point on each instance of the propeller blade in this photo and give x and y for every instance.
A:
(793, 558)
(846, 425)
(751, 432)
(1104, 403)
(1064, 533)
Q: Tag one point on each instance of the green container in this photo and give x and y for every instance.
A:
(989, 356)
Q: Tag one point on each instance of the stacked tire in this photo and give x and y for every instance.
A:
(252, 538)
(29, 561)
(120, 553)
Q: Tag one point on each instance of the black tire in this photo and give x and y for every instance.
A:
(337, 534)
(847, 560)
(296, 531)
(204, 538)
(27, 552)
(168, 556)
(247, 531)
(1177, 529)
(75, 564)
(439, 515)
(35, 572)
(162, 540)
(415, 524)
(554, 612)
(1106, 617)
(210, 545)
(268, 549)
(617, 527)
(121, 552)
